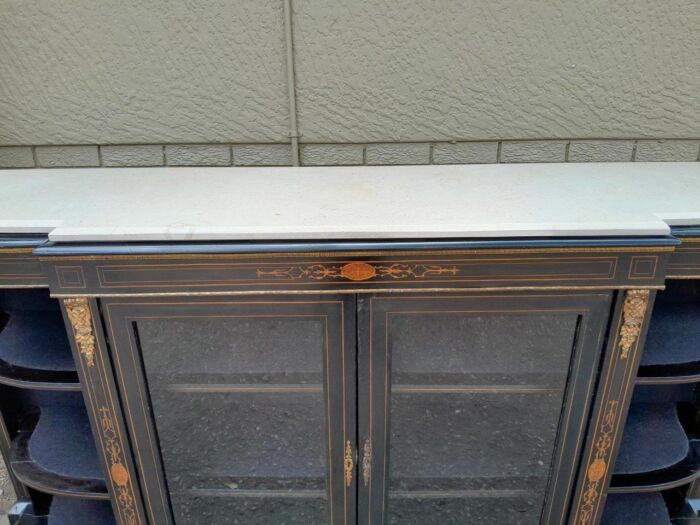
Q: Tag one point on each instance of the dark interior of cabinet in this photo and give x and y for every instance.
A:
(655, 478)
(52, 454)
(672, 347)
(475, 408)
(266, 457)
(33, 342)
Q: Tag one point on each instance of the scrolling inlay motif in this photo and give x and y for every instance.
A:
(357, 271)
(634, 309)
(78, 311)
(117, 470)
(599, 465)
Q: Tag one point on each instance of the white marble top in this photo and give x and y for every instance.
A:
(496, 200)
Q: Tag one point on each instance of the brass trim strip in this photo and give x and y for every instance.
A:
(361, 290)
(16, 250)
(291, 255)
(20, 286)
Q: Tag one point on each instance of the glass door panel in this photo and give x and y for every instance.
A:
(465, 398)
(253, 405)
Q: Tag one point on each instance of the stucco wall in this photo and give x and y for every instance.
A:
(377, 82)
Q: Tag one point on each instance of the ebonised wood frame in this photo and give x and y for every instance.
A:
(628, 329)
(631, 273)
(338, 314)
(598, 268)
(592, 310)
(104, 409)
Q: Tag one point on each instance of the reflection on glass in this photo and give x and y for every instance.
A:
(475, 406)
(239, 407)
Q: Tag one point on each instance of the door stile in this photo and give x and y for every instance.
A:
(349, 408)
(373, 423)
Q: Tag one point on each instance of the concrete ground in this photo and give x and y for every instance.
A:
(7, 495)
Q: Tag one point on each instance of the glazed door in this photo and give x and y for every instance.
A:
(468, 404)
(241, 410)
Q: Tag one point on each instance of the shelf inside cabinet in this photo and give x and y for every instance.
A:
(645, 508)
(672, 348)
(69, 511)
(34, 348)
(54, 452)
(655, 452)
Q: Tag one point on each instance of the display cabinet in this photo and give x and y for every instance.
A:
(465, 385)
(441, 345)
(378, 385)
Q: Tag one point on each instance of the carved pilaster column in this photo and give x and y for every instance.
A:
(100, 399)
(615, 392)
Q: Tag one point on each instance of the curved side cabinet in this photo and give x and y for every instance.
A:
(34, 348)
(627, 509)
(55, 454)
(655, 453)
(70, 511)
(672, 350)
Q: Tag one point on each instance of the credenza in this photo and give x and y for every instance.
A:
(446, 379)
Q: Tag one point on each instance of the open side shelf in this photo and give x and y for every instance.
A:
(34, 348)
(672, 349)
(637, 509)
(72, 511)
(655, 452)
(55, 453)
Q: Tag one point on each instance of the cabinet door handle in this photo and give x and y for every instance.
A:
(367, 461)
(349, 464)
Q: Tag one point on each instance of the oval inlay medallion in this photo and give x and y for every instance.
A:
(119, 474)
(358, 271)
(597, 470)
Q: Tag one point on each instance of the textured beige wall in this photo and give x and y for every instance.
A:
(423, 70)
(79, 72)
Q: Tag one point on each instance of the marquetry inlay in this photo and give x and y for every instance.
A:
(598, 467)
(356, 271)
(117, 471)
